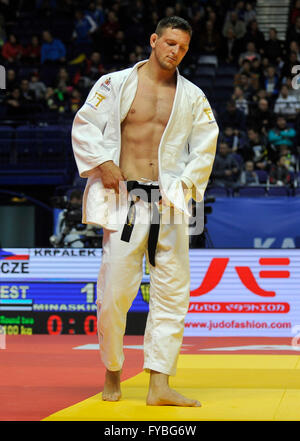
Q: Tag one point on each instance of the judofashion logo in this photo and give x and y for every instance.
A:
(218, 266)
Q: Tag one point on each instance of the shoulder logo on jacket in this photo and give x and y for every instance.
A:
(210, 115)
(99, 97)
(106, 85)
(96, 100)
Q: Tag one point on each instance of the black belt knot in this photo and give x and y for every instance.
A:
(151, 194)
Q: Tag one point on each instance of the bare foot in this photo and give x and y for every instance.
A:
(160, 394)
(112, 390)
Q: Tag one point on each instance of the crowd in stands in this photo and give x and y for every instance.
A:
(54, 51)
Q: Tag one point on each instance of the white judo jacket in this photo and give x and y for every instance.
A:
(186, 151)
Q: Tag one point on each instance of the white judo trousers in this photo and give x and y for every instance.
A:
(119, 280)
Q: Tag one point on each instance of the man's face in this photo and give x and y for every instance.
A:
(251, 134)
(223, 149)
(170, 48)
(249, 166)
(263, 105)
(281, 123)
(11, 75)
(24, 84)
(272, 34)
(47, 36)
(95, 57)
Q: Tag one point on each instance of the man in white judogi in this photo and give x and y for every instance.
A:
(145, 128)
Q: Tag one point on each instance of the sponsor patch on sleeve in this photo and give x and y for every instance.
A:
(101, 94)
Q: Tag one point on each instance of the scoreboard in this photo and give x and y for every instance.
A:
(233, 292)
(54, 291)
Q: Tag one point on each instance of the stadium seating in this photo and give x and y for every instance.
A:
(254, 191)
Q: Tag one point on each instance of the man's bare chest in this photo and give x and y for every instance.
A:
(151, 104)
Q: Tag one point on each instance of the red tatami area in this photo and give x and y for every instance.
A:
(42, 374)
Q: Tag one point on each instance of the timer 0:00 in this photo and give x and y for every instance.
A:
(55, 325)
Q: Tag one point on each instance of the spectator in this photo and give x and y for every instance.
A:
(140, 53)
(294, 47)
(287, 68)
(88, 74)
(11, 80)
(84, 28)
(281, 134)
(212, 16)
(262, 117)
(240, 9)
(94, 66)
(254, 35)
(12, 50)
(286, 104)
(244, 69)
(232, 117)
(96, 12)
(27, 96)
(56, 100)
(209, 40)
(248, 175)
(256, 150)
(274, 48)
(119, 49)
(265, 63)
(240, 101)
(132, 59)
(226, 169)
(290, 158)
(181, 10)
(230, 47)
(196, 19)
(235, 139)
(110, 27)
(37, 87)
(75, 101)
(295, 12)
(260, 94)
(14, 108)
(150, 24)
(46, 7)
(256, 74)
(250, 13)
(293, 33)
(250, 54)
(53, 51)
(137, 11)
(233, 22)
(271, 82)
(279, 173)
(32, 53)
(246, 86)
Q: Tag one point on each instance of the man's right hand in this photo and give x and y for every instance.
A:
(111, 175)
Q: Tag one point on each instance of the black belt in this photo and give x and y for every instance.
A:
(142, 191)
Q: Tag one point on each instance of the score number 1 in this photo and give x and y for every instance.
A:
(89, 290)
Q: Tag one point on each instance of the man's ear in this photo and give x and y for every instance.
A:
(153, 39)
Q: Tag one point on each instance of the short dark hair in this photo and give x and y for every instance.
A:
(173, 22)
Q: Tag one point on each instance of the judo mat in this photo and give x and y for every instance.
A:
(60, 378)
(229, 387)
